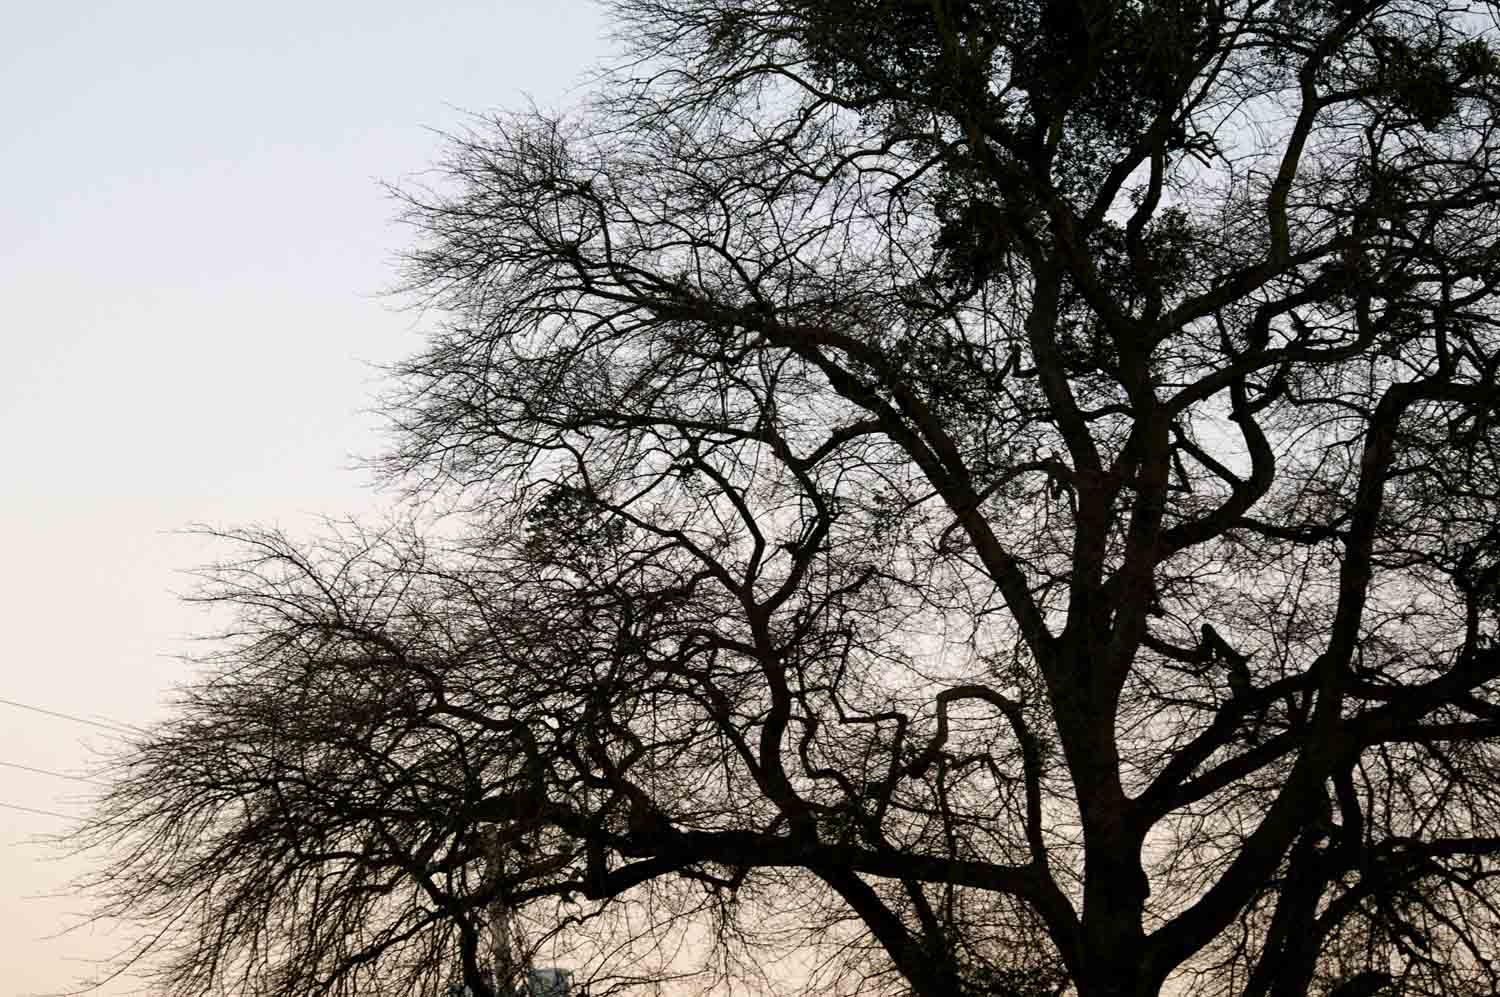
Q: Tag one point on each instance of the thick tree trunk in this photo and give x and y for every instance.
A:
(1113, 961)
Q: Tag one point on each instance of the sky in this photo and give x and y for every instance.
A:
(194, 253)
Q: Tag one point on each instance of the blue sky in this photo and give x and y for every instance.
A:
(193, 249)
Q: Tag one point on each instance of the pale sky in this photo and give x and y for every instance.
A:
(193, 246)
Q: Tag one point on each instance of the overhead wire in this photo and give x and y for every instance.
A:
(110, 725)
(36, 810)
(54, 774)
(103, 724)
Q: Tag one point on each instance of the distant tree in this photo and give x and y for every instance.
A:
(999, 495)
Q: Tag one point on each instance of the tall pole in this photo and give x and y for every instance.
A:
(505, 961)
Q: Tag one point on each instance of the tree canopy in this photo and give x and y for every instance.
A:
(991, 496)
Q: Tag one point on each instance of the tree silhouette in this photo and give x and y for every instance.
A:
(999, 494)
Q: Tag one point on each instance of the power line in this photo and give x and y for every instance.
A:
(58, 775)
(35, 810)
(109, 725)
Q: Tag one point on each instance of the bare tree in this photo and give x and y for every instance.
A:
(1000, 495)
